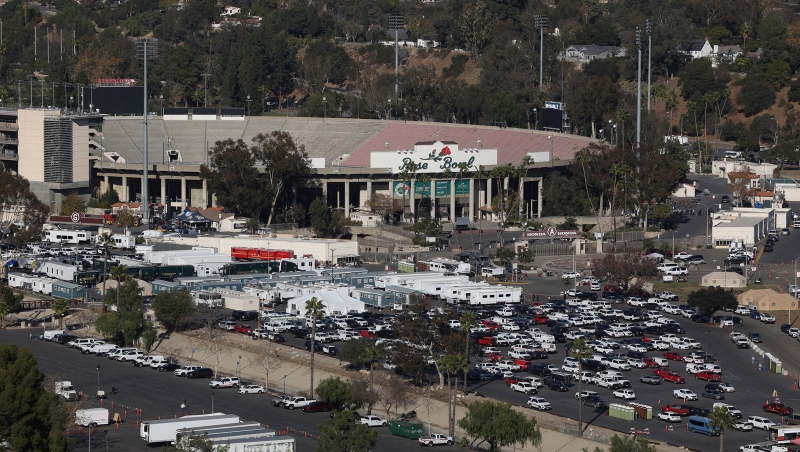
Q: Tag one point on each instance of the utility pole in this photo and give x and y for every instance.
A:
(639, 89)
(540, 22)
(649, 60)
(146, 49)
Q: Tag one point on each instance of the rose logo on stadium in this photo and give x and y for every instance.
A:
(401, 189)
(437, 157)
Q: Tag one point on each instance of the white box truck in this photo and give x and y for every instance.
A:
(66, 390)
(91, 417)
(166, 430)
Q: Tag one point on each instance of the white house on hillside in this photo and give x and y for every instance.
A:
(585, 53)
(699, 48)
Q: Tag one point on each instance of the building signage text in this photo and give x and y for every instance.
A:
(550, 233)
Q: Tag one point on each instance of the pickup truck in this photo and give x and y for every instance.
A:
(224, 382)
(297, 402)
(435, 439)
(524, 387)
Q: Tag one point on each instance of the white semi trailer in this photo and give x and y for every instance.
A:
(166, 430)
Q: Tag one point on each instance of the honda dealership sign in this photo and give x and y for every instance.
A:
(551, 233)
(434, 157)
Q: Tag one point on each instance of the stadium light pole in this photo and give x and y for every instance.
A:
(396, 23)
(649, 25)
(540, 21)
(146, 49)
(639, 89)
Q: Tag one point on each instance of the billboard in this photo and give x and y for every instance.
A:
(114, 100)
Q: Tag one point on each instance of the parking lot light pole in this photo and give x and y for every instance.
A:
(212, 402)
(794, 295)
(98, 379)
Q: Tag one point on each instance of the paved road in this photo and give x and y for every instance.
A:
(161, 394)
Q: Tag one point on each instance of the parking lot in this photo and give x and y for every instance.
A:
(741, 368)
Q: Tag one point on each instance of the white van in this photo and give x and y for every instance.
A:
(50, 334)
(733, 154)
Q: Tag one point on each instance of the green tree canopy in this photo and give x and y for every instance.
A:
(498, 425)
(173, 307)
(756, 96)
(711, 299)
(125, 325)
(338, 393)
(33, 418)
(697, 78)
(344, 434)
(73, 203)
(324, 222)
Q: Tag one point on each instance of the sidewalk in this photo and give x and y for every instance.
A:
(239, 352)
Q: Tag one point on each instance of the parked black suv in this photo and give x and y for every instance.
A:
(244, 315)
(540, 369)
(785, 328)
(594, 365)
(555, 385)
(203, 372)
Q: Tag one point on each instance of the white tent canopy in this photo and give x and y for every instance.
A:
(335, 302)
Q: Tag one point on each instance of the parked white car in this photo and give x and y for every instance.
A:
(760, 422)
(626, 394)
(373, 421)
(684, 394)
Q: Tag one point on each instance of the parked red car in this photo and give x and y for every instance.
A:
(675, 408)
(778, 408)
(650, 362)
(317, 406)
(540, 319)
(668, 375)
(244, 329)
(673, 356)
(493, 326)
(494, 356)
(486, 340)
(511, 380)
(708, 376)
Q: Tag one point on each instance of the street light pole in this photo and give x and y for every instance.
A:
(98, 379)
(212, 402)
(324, 108)
(248, 105)
(649, 25)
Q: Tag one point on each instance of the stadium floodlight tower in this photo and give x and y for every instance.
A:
(639, 89)
(147, 50)
(540, 22)
(396, 23)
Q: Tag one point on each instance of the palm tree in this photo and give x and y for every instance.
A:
(407, 175)
(622, 117)
(468, 320)
(4, 311)
(580, 350)
(119, 273)
(452, 364)
(315, 309)
(60, 307)
(521, 171)
(105, 240)
(722, 419)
